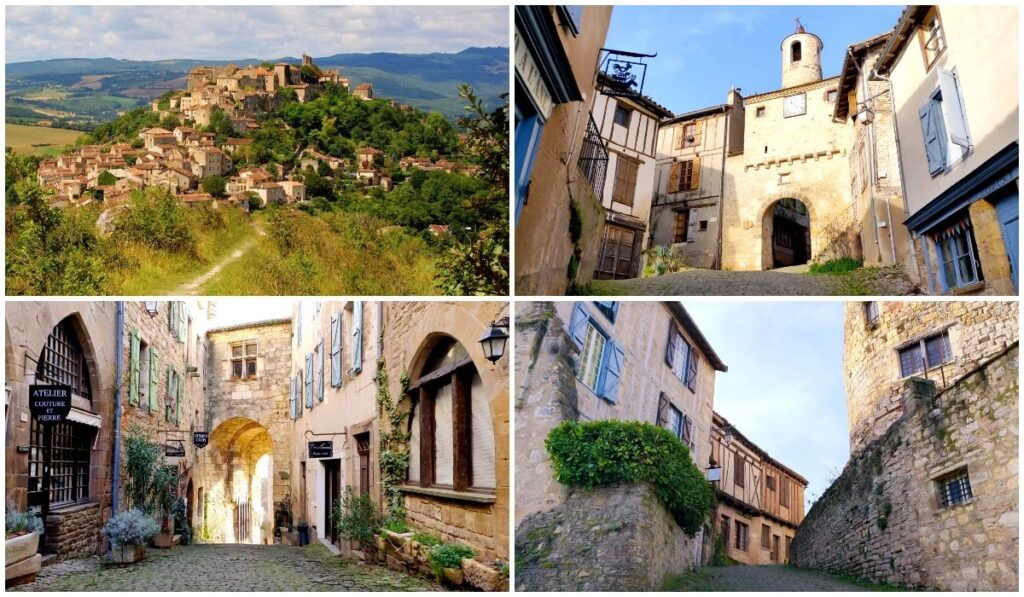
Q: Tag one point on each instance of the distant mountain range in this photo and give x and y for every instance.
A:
(98, 87)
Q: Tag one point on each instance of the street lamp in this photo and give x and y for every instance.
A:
(494, 340)
(728, 437)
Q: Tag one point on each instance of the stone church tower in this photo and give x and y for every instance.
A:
(801, 58)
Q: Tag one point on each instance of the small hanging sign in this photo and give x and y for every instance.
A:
(49, 403)
(200, 438)
(323, 449)
(174, 448)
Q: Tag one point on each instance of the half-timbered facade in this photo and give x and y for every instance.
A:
(760, 500)
(629, 127)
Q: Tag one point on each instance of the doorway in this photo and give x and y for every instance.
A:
(363, 449)
(787, 234)
(1008, 210)
(332, 493)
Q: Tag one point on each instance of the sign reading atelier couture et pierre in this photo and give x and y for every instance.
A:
(49, 403)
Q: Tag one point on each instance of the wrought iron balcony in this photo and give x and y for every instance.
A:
(593, 160)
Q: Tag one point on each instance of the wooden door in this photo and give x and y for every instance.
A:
(363, 449)
(332, 493)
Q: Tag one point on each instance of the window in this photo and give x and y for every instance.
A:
(336, 344)
(796, 51)
(674, 420)
(609, 308)
(691, 134)
(243, 360)
(70, 446)
(759, 112)
(871, 313)
(684, 176)
(742, 539)
(954, 488)
(931, 37)
(957, 264)
(572, 17)
(789, 542)
(142, 373)
(682, 225)
(775, 548)
(831, 96)
(622, 115)
(702, 226)
(739, 472)
(681, 357)
(784, 492)
(451, 432)
(947, 138)
(725, 530)
(172, 405)
(625, 180)
(769, 482)
(601, 359)
(766, 539)
(925, 354)
(529, 126)
(62, 360)
(593, 158)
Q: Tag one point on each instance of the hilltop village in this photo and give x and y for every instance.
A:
(217, 117)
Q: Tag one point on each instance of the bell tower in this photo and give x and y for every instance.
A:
(801, 57)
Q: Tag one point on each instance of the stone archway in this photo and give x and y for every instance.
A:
(785, 233)
(237, 478)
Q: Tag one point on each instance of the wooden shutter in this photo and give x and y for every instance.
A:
(949, 83)
(670, 349)
(698, 129)
(180, 399)
(481, 441)
(682, 221)
(182, 325)
(739, 474)
(133, 370)
(357, 344)
(309, 380)
(578, 324)
(662, 419)
(172, 315)
(292, 400)
(320, 374)
(934, 136)
(695, 174)
(691, 369)
(680, 135)
(154, 377)
(673, 178)
(687, 431)
(336, 350)
(444, 437)
(611, 373)
(691, 226)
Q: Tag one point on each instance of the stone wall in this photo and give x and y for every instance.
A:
(874, 386)
(609, 539)
(882, 518)
(74, 532)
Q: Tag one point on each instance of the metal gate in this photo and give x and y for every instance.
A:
(242, 521)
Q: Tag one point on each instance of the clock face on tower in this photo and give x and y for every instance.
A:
(794, 105)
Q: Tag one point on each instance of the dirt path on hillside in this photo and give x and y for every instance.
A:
(194, 286)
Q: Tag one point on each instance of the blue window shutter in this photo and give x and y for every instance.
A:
(309, 380)
(528, 130)
(670, 348)
(336, 351)
(949, 83)
(578, 324)
(291, 400)
(357, 344)
(320, 375)
(611, 371)
(691, 369)
(934, 136)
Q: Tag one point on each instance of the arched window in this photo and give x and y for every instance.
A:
(795, 51)
(452, 437)
(62, 360)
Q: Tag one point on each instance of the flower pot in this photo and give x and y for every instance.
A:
(21, 547)
(127, 554)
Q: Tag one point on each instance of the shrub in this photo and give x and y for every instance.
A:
(157, 219)
(21, 523)
(662, 260)
(358, 518)
(835, 266)
(181, 523)
(599, 453)
(396, 525)
(133, 527)
(426, 539)
(448, 555)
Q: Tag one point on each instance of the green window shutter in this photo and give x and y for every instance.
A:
(181, 396)
(154, 378)
(182, 323)
(172, 315)
(133, 371)
(170, 390)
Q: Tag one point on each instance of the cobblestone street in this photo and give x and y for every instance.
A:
(208, 568)
(705, 282)
(766, 578)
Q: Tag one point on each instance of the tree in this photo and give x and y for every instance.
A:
(214, 185)
(324, 170)
(106, 179)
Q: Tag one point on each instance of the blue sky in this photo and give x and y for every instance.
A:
(236, 32)
(705, 50)
(784, 388)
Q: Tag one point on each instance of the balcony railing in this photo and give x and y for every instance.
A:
(593, 160)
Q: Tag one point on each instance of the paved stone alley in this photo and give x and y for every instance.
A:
(226, 568)
(766, 578)
(704, 282)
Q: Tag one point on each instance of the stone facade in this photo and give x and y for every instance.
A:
(477, 518)
(874, 383)
(885, 518)
(71, 532)
(607, 539)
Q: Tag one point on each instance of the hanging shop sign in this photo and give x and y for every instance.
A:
(49, 403)
(323, 449)
(200, 438)
(174, 448)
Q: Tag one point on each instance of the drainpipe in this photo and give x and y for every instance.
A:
(871, 149)
(721, 188)
(119, 367)
(874, 76)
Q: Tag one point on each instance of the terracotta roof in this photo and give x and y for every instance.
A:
(370, 150)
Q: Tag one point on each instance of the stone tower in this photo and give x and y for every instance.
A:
(884, 340)
(801, 58)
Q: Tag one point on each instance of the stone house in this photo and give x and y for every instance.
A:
(270, 192)
(560, 158)
(210, 161)
(293, 190)
(366, 158)
(363, 91)
(958, 138)
(760, 500)
(595, 360)
(158, 137)
(687, 205)
(628, 123)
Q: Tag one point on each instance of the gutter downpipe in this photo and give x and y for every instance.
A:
(119, 367)
(871, 162)
(721, 190)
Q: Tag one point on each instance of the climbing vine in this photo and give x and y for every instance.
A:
(394, 443)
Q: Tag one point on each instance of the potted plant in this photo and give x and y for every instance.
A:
(128, 533)
(22, 542)
(164, 490)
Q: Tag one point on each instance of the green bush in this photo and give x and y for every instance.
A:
(157, 219)
(448, 555)
(835, 266)
(358, 518)
(21, 523)
(396, 525)
(599, 453)
(426, 539)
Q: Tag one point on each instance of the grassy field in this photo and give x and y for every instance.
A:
(37, 140)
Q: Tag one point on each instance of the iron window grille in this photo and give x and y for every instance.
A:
(593, 160)
(955, 488)
(69, 445)
(63, 362)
